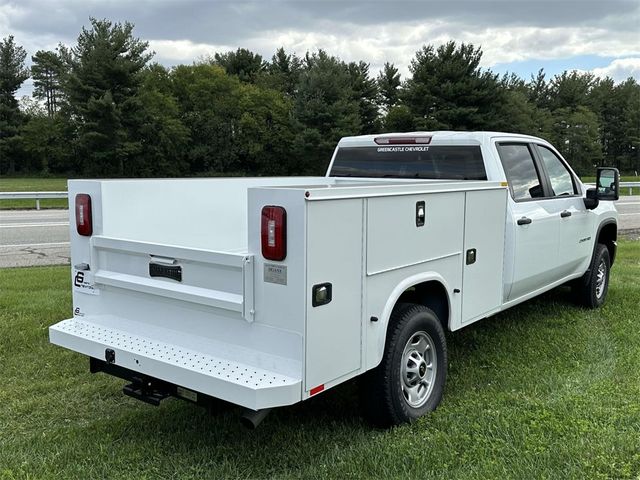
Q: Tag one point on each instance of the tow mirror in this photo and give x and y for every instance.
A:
(608, 183)
(607, 187)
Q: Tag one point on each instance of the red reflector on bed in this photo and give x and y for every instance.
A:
(317, 389)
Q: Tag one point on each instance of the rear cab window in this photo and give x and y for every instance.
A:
(463, 162)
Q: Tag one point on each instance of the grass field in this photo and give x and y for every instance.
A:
(34, 184)
(544, 390)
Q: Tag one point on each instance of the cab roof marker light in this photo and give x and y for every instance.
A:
(421, 140)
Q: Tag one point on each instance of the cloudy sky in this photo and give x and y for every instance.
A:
(519, 36)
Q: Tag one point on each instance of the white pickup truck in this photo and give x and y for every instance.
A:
(264, 292)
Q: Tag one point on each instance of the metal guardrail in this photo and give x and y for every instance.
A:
(629, 185)
(37, 196)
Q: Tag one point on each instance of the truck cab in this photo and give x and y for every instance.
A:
(552, 228)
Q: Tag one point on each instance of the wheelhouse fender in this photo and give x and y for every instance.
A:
(612, 249)
(396, 293)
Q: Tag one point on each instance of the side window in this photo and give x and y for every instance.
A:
(521, 172)
(560, 177)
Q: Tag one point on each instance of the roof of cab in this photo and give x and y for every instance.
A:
(437, 137)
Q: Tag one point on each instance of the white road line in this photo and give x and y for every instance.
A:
(627, 203)
(35, 245)
(28, 225)
(625, 214)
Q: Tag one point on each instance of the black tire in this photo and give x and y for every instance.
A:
(587, 290)
(384, 389)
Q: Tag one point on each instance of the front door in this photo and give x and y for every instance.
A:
(532, 224)
(574, 247)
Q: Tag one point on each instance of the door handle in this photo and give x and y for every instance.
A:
(524, 221)
(565, 214)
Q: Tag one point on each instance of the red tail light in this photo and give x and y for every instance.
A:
(274, 233)
(84, 222)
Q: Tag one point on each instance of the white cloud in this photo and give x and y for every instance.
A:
(182, 31)
(620, 69)
(183, 51)
(398, 42)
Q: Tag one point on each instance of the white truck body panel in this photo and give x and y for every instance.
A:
(244, 329)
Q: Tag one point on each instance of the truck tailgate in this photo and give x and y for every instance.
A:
(215, 279)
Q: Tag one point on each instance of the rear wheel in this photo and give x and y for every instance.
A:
(410, 380)
(591, 290)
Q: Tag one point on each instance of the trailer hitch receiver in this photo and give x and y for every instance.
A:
(146, 391)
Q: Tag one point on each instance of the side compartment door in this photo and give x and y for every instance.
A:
(533, 224)
(483, 253)
(334, 261)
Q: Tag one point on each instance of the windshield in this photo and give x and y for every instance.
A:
(435, 162)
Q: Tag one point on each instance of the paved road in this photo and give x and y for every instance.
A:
(629, 211)
(31, 237)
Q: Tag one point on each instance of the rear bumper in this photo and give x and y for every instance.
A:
(204, 370)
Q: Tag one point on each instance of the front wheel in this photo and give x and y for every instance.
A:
(591, 290)
(410, 380)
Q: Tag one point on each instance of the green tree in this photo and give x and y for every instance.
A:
(243, 63)
(13, 73)
(570, 90)
(283, 73)
(162, 136)
(266, 132)
(399, 119)
(47, 71)
(517, 113)
(208, 100)
(326, 109)
(575, 135)
(102, 91)
(389, 86)
(609, 107)
(448, 90)
(365, 93)
(630, 137)
(46, 142)
(234, 127)
(538, 90)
